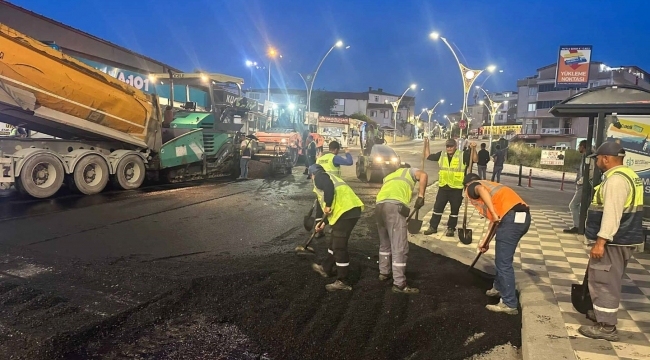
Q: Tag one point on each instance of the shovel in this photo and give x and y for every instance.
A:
(491, 233)
(306, 249)
(580, 297)
(465, 234)
(414, 225)
(308, 221)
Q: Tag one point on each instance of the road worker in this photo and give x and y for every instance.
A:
(615, 223)
(392, 210)
(342, 209)
(500, 204)
(331, 161)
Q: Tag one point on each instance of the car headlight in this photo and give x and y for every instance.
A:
(379, 159)
(394, 159)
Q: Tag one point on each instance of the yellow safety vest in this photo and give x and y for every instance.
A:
(451, 175)
(630, 231)
(344, 199)
(327, 162)
(398, 185)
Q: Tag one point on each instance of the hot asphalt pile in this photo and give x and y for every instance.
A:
(252, 307)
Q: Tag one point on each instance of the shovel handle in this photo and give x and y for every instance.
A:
(313, 234)
(475, 260)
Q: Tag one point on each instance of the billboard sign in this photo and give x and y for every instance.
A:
(552, 157)
(5, 129)
(573, 66)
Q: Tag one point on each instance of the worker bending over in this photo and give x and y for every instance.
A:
(342, 209)
(331, 162)
(392, 210)
(500, 204)
(450, 181)
(615, 222)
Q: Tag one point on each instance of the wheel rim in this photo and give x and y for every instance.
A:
(93, 174)
(131, 172)
(44, 175)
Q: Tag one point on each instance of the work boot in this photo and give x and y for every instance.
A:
(338, 285)
(450, 232)
(573, 230)
(319, 269)
(600, 331)
(493, 292)
(405, 290)
(591, 316)
(383, 277)
(430, 231)
(502, 308)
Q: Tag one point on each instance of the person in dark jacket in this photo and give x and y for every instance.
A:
(483, 160)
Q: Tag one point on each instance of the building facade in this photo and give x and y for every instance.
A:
(538, 94)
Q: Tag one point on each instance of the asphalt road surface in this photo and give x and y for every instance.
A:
(207, 270)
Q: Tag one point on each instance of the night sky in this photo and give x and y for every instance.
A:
(390, 45)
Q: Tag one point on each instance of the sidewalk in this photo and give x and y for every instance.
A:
(547, 262)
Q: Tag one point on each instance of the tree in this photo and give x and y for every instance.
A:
(363, 117)
(322, 102)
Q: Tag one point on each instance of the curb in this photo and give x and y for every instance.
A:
(543, 333)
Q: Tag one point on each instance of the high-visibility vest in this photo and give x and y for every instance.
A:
(630, 231)
(327, 162)
(398, 185)
(503, 199)
(451, 174)
(344, 199)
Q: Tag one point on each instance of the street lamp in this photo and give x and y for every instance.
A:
(251, 64)
(493, 109)
(395, 105)
(468, 75)
(430, 112)
(309, 80)
(272, 54)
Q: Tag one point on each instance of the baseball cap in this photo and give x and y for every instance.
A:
(450, 142)
(315, 169)
(469, 178)
(609, 148)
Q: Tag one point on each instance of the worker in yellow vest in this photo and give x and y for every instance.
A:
(391, 212)
(450, 182)
(331, 161)
(342, 209)
(615, 224)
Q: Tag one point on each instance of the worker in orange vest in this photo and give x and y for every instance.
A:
(500, 204)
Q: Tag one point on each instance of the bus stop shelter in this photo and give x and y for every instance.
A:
(601, 105)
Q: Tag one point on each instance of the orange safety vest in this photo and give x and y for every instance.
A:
(503, 199)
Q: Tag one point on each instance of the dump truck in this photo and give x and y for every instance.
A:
(106, 130)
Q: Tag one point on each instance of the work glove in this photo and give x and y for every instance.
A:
(419, 203)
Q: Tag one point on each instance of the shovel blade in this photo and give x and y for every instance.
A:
(414, 226)
(465, 236)
(580, 298)
(308, 222)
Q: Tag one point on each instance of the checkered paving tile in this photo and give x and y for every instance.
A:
(560, 259)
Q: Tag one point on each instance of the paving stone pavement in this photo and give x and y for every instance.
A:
(557, 259)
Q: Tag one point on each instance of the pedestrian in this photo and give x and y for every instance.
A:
(574, 205)
(499, 159)
(331, 162)
(245, 157)
(310, 157)
(502, 205)
(483, 160)
(391, 212)
(341, 208)
(450, 183)
(615, 223)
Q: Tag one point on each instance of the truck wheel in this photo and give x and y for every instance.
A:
(90, 175)
(361, 174)
(130, 173)
(373, 176)
(293, 156)
(42, 176)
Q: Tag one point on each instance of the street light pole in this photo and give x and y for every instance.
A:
(468, 75)
(395, 105)
(313, 79)
(493, 109)
(272, 54)
(432, 110)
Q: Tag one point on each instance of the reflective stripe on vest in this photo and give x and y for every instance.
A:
(398, 185)
(451, 174)
(344, 199)
(327, 162)
(630, 230)
(503, 199)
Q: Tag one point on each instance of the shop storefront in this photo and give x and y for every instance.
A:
(334, 128)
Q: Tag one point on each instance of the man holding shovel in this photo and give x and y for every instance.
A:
(500, 204)
(392, 211)
(341, 209)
